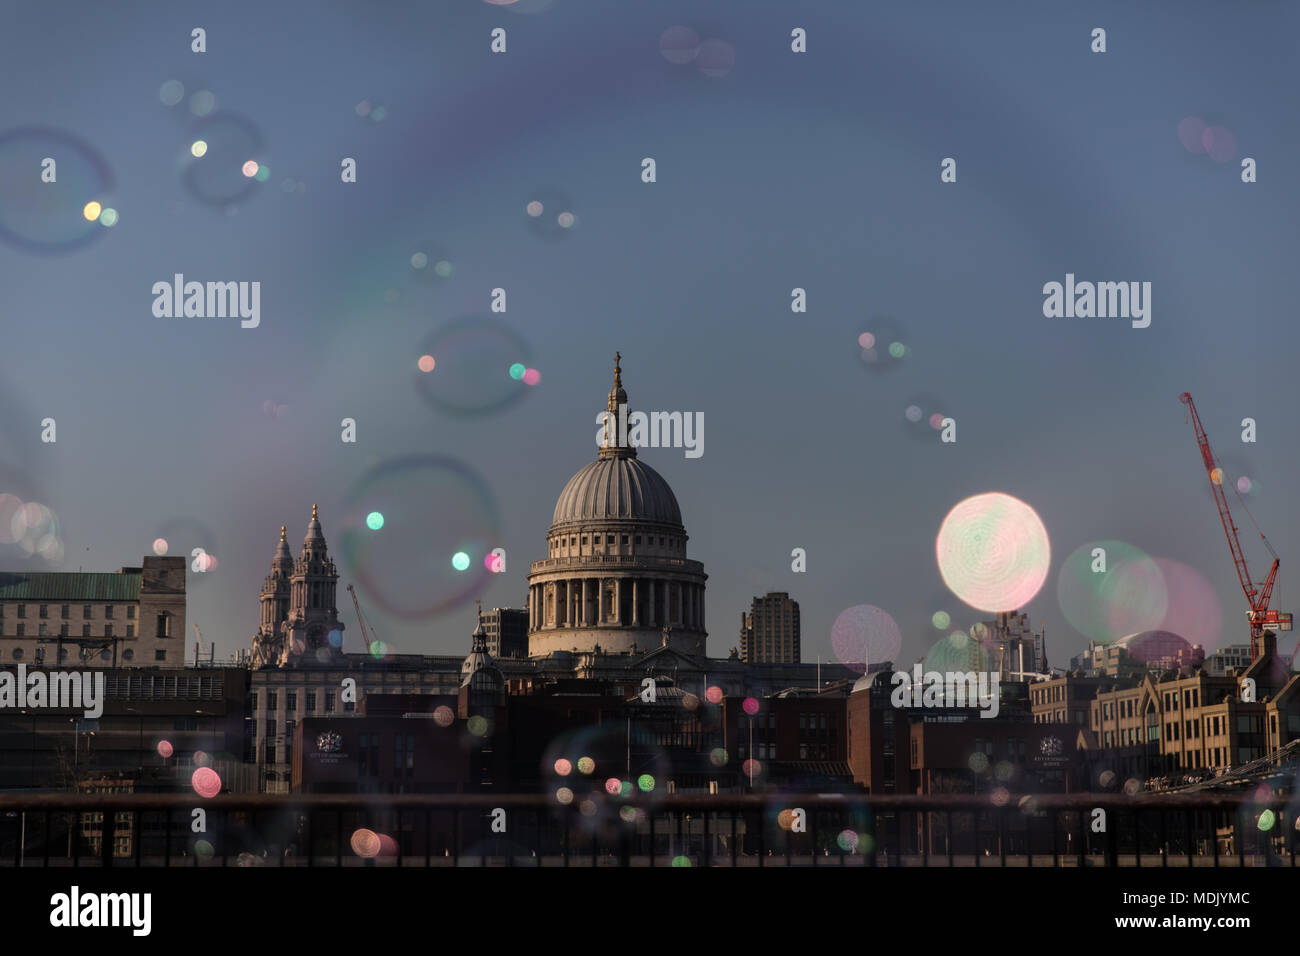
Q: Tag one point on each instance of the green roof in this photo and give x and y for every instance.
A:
(72, 586)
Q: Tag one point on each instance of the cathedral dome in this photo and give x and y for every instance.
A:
(617, 488)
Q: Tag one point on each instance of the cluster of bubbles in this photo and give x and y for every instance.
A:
(959, 651)
(549, 213)
(993, 552)
(52, 216)
(222, 165)
(1108, 590)
(191, 538)
(202, 102)
(864, 634)
(481, 364)
(923, 416)
(32, 526)
(1201, 138)
(165, 749)
(683, 46)
(883, 344)
(369, 111)
(626, 786)
(439, 520)
(431, 262)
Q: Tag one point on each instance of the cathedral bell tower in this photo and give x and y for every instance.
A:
(312, 611)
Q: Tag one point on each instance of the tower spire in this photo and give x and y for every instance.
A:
(613, 445)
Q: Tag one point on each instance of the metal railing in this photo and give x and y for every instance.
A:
(429, 830)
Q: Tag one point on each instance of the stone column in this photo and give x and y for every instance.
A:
(636, 616)
(650, 602)
(618, 600)
(585, 588)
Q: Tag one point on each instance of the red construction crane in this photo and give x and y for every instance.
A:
(1257, 596)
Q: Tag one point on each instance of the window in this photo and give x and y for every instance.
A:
(270, 751)
(108, 611)
(252, 701)
(270, 727)
(128, 655)
(108, 630)
(130, 630)
(45, 611)
(63, 630)
(290, 700)
(349, 706)
(18, 653)
(311, 702)
(272, 701)
(159, 655)
(22, 629)
(164, 625)
(87, 611)
(44, 629)
(329, 702)
(85, 630)
(64, 611)
(22, 611)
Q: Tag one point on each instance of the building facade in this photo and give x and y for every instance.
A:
(770, 630)
(132, 618)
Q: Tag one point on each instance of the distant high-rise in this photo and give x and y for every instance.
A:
(769, 633)
(506, 631)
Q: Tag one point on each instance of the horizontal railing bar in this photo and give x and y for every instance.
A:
(468, 801)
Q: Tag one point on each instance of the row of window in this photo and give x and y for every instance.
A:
(291, 704)
(164, 686)
(1191, 729)
(1049, 695)
(65, 611)
(43, 630)
(611, 539)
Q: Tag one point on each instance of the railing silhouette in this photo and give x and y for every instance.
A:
(428, 830)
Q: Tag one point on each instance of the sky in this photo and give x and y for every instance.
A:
(780, 170)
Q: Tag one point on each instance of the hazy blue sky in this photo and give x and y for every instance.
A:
(818, 170)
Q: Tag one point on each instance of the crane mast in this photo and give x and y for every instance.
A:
(1257, 596)
(365, 634)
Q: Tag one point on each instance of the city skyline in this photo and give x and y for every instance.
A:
(236, 430)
